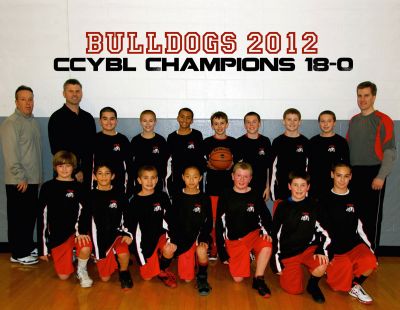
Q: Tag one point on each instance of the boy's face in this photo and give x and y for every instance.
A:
(252, 124)
(148, 122)
(108, 121)
(291, 122)
(341, 178)
(219, 125)
(185, 119)
(192, 178)
(104, 176)
(148, 180)
(64, 171)
(326, 123)
(241, 179)
(299, 188)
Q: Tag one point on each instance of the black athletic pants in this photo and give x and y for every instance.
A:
(22, 209)
(370, 202)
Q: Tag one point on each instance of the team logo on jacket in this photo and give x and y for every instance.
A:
(190, 145)
(113, 204)
(261, 151)
(156, 207)
(350, 208)
(116, 148)
(305, 217)
(331, 149)
(250, 207)
(156, 150)
(197, 208)
(299, 149)
(70, 193)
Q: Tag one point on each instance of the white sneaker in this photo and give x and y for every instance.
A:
(27, 260)
(358, 292)
(34, 252)
(84, 278)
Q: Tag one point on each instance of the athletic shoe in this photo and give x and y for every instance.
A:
(125, 279)
(27, 260)
(262, 288)
(34, 252)
(212, 257)
(316, 293)
(168, 278)
(84, 279)
(203, 286)
(358, 292)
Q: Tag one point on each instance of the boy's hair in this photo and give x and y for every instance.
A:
(186, 110)
(191, 167)
(299, 175)
(144, 168)
(64, 157)
(72, 82)
(242, 165)
(292, 111)
(101, 164)
(20, 88)
(219, 114)
(367, 84)
(340, 164)
(252, 114)
(108, 109)
(148, 112)
(328, 112)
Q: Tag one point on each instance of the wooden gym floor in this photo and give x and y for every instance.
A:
(37, 287)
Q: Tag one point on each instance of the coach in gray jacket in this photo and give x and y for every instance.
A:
(21, 144)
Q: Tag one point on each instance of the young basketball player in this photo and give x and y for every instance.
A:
(218, 179)
(255, 149)
(290, 153)
(353, 259)
(243, 222)
(150, 149)
(111, 233)
(153, 249)
(300, 239)
(61, 201)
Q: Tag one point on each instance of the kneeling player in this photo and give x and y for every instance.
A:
(353, 259)
(243, 220)
(300, 239)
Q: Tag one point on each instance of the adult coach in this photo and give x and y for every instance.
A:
(73, 129)
(372, 154)
(22, 152)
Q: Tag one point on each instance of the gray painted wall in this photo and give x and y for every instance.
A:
(271, 128)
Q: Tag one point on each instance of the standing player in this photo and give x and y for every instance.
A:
(191, 223)
(326, 149)
(372, 155)
(218, 179)
(61, 201)
(300, 239)
(150, 149)
(255, 149)
(290, 153)
(243, 222)
(353, 259)
(107, 214)
(185, 147)
(113, 147)
(153, 249)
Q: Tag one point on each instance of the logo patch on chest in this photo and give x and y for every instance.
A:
(299, 149)
(305, 217)
(70, 193)
(156, 150)
(250, 207)
(116, 147)
(350, 208)
(331, 149)
(191, 145)
(261, 151)
(157, 207)
(113, 204)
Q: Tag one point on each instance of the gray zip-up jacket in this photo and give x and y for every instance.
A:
(22, 151)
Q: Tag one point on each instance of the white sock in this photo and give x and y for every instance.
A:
(82, 263)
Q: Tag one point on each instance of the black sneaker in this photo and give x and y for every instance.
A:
(125, 279)
(316, 293)
(261, 287)
(203, 286)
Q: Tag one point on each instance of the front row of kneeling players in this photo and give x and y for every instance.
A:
(157, 232)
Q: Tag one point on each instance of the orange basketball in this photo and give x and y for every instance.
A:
(221, 158)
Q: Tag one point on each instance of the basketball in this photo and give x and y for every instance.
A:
(221, 158)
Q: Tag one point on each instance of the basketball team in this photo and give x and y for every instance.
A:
(194, 199)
